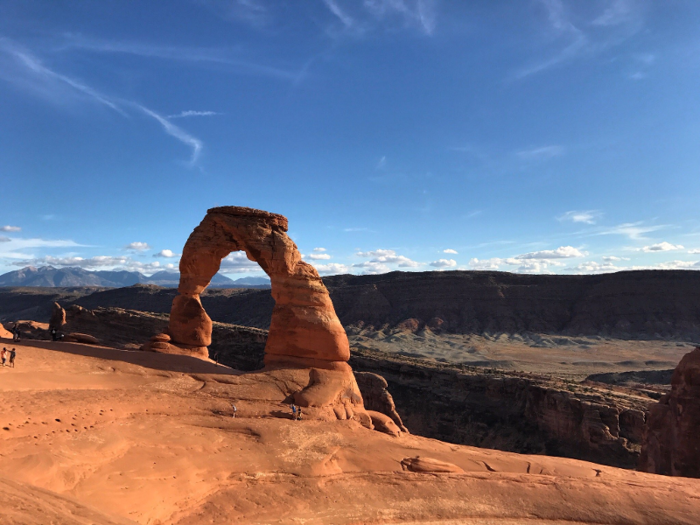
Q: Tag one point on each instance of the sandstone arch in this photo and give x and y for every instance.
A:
(304, 329)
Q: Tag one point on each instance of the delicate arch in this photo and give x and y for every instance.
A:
(304, 329)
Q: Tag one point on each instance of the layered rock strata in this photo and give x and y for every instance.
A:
(672, 439)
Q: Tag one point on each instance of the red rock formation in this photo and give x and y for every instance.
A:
(304, 329)
(58, 317)
(672, 440)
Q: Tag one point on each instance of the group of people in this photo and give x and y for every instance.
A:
(5, 354)
(296, 412)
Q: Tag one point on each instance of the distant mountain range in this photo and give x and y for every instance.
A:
(48, 276)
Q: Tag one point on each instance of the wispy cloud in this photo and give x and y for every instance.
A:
(191, 113)
(633, 230)
(619, 20)
(334, 8)
(10, 228)
(541, 153)
(450, 250)
(216, 56)
(178, 133)
(420, 13)
(319, 256)
(586, 217)
(34, 65)
(42, 73)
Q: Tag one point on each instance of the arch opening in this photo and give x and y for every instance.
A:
(304, 328)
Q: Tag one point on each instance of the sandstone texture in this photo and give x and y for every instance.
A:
(97, 436)
(672, 439)
(376, 395)
(304, 329)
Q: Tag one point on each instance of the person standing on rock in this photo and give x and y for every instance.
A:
(16, 332)
(3, 355)
(294, 411)
(13, 354)
(234, 410)
(299, 414)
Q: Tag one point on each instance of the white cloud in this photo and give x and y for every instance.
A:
(444, 263)
(661, 247)
(695, 250)
(178, 133)
(319, 256)
(485, 264)
(319, 250)
(596, 267)
(192, 113)
(137, 247)
(563, 252)
(372, 268)
(614, 258)
(93, 263)
(523, 265)
(10, 228)
(541, 153)
(238, 262)
(332, 268)
(586, 217)
(166, 253)
(450, 250)
(389, 257)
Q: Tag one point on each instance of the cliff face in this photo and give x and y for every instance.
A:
(672, 438)
(627, 305)
(513, 412)
(653, 304)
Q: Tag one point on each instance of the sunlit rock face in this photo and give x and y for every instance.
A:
(304, 329)
(672, 441)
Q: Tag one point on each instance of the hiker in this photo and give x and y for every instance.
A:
(3, 355)
(234, 410)
(13, 353)
(54, 333)
(294, 411)
(16, 333)
(299, 414)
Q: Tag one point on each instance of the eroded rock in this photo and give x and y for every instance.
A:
(671, 443)
(430, 466)
(375, 393)
(304, 329)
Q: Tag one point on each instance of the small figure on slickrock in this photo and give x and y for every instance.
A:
(671, 443)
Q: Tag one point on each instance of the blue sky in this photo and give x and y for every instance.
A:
(540, 136)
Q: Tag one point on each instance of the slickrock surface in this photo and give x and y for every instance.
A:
(303, 329)
(672, 439)
(106, 436)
